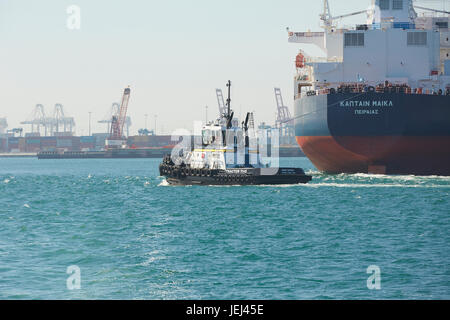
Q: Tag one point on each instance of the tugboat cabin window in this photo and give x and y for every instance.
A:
(207, 137)
(354, 40)
(210, 136)
(397, 5)
(417, 38)
(384, 4)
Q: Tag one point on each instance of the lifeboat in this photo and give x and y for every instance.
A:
(300, 61)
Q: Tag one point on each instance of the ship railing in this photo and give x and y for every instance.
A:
(306, 34)
(380, 26)
(324, 59)
(363, 88)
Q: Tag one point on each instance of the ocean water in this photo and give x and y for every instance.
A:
(134, 237)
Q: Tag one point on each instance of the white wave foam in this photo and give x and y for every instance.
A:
(377, 185)
(355, 185)
(376, 176)
(164, 183)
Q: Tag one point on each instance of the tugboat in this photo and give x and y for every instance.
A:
(217, 161)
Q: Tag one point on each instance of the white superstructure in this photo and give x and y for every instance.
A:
(396, 45)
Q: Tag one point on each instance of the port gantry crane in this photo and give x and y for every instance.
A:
(116, 137)
(51, 125)
(60, 121)
(284, 122)
(37, 120)
(221, 102)
(223, 108)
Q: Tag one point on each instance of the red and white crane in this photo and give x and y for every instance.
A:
(116, 136)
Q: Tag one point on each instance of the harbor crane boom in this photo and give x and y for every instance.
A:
(221, 102)
(283, 113)
(118, 120)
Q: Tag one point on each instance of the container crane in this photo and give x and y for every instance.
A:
(36, 120)
(116, 137)
(285, 121)
(283, 113)
(221, 102)
(223, 107)
(61, 121)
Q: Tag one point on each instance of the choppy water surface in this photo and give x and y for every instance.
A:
(133, 237)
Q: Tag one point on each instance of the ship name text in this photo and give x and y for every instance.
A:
(374, 103)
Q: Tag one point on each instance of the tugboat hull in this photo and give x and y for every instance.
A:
(245, 176)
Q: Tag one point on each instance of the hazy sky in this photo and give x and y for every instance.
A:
(173, 54)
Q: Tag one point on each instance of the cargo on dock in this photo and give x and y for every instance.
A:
(156, 153)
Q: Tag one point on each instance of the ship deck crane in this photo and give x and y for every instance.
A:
(328, 19)
(432, 10)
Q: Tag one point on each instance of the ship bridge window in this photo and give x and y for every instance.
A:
(354, 39)
(397, 5)
(417, 38)
(442, 25)
(384, 4)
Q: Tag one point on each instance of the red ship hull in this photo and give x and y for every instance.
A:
(384, 155)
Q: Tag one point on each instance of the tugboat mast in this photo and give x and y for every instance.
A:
(230, 114)
(229, 97)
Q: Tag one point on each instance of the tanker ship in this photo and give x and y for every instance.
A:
(378, 100)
